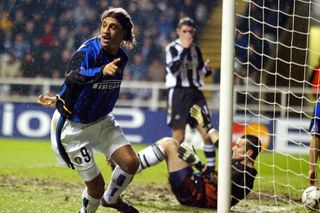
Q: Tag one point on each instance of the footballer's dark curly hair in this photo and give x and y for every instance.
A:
(124, 19)
(253, 143)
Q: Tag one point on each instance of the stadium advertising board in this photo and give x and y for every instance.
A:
(146, 126)
(262, 128)
(33, 121)
(292, 136)
(288, 136)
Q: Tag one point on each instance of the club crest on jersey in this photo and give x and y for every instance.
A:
(78, 160)
(111, 84)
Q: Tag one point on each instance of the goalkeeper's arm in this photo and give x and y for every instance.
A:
(187, 154)
(202, 118)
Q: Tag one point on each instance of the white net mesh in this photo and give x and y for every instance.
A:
(277, 48)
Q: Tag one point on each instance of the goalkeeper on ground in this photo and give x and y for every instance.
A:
(196, 188)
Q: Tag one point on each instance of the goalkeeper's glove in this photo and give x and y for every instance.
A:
(187, 154)
(201, 117)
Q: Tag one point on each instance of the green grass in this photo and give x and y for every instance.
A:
(287, 170)
(32, 181)
(34, 159)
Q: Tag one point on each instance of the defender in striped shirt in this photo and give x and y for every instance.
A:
(185, 69)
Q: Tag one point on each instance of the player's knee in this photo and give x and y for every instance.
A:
(168, 143)
(179, 138)
(131, 166)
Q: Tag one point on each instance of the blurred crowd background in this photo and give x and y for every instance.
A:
(38, 37)
(264, 26)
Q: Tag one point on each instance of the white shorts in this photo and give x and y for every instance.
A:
(81, 140)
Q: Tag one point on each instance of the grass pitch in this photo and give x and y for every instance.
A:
(32, 181)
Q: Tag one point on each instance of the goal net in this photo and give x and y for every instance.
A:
(276, 48)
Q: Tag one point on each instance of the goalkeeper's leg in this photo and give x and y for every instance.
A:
(166, 148)
(150, 156)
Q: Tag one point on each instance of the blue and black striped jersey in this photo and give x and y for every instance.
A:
(87, 95)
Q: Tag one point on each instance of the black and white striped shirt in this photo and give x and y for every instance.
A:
(184, 66)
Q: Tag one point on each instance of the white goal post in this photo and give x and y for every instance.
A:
(225, 114)
(271, 46)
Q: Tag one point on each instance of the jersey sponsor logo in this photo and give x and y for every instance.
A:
(106, 85)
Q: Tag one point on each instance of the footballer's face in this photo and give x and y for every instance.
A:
(239, 150)
(111, 34)
(186, 32)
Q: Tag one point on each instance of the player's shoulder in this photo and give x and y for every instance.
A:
(91, 45)
(243, 169)
(172, 44)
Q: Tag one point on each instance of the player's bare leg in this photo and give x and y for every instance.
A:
(164, 149)
(170, 147)
(177, 156)
(127, 165)
(150, 156)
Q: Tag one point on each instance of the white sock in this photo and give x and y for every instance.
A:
(89, 204)
(150, 156)
(119, 182)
